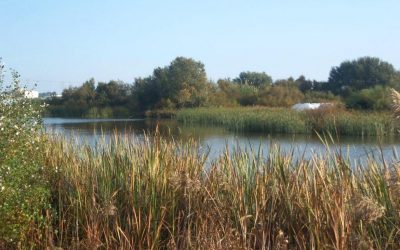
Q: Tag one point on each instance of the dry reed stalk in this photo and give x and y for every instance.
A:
(395, 96)
(159, 194)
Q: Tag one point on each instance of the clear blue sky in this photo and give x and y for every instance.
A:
(62, 43)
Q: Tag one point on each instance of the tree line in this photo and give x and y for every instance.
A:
(360, 84)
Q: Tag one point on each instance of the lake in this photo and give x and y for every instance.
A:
(218, 139)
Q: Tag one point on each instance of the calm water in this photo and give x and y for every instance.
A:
(217, 139)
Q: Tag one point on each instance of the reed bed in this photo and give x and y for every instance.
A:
(157, 193)
(283, 120)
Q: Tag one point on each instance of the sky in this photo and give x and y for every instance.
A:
(57, 44)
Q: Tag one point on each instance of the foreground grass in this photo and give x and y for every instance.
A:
(160, 194)
(283, 120)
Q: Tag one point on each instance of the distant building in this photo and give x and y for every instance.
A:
(31, 94)
(47, 95)
(310, 106)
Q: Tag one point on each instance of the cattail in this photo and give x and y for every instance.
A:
(367, 210)
(395, 96)
(110, 210)
(281, 241)
(361, 242)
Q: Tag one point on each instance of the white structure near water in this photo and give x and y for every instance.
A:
(31, 94)
(310, 106)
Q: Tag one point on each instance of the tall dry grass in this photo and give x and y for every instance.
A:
(395, 96)
(161, 194)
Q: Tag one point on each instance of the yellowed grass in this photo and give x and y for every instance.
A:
(160, 194)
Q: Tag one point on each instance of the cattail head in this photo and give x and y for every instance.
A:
(366, 209)
(362, 242)
(395, 96)
(110, 210)
(281, 241)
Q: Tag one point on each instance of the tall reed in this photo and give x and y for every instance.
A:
(283, 120)
(157, 193)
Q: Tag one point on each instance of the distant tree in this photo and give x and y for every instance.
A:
(146, 93)
(304, 84)
(106, 100)
(248, 95)
(113, 93)
(375, 98)
(182, 84)
(187, 82)
(290, 82)
(320, 96)
(218, 96)
(283, 93)
(87, 91)
(227, 92)
(321, 86)
(365, 72)
(243, 94)
(257, 79)
(77, 100)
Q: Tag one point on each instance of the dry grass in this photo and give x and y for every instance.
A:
(395, 96)
(160, 194)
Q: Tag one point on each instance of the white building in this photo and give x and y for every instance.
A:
(31, 94)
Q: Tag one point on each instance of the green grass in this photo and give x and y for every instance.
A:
(283, 120)
(160, 194)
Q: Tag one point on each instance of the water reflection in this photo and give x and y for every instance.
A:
(216, 139)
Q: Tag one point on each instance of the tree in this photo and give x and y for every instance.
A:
(146, 93)
(283, 93)
(365, 72)
(183, 83)
(113, 93)
(304, 84)
(107, 99)
(186, 77)
(78, 100)
(375, 98)
(243, 94)
(257, 79)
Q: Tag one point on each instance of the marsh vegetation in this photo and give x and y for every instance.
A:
(334, 121)
(160, 193)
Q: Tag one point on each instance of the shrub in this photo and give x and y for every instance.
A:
(375, 98)
(23, 192)
(280, 95)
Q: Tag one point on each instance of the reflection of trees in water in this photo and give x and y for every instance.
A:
(166, 128)
(171, 128)
(218, 138)
(184, 132)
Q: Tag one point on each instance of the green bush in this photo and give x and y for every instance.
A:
(23, 190)
(375, 98)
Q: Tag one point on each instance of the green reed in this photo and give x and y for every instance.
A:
(283, 120)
